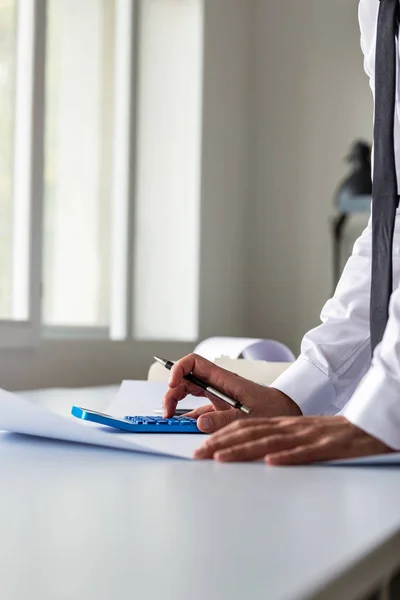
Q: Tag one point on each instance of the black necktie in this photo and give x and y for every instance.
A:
(384, 191)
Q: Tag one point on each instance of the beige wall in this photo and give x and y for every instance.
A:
(311, 100)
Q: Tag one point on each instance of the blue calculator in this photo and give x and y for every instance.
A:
(138, 424)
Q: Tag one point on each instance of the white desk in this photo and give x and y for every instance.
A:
(85, 523)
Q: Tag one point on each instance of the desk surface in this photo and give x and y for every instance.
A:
(89, 523)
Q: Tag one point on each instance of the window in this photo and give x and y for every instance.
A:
(7, 103)
(78, 165)
(21, 172)
(100, 119)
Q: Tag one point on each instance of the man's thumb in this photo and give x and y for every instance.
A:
(213, 421)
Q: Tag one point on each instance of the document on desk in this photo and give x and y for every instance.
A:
(228, 347)
(367, 461)
(134, 397)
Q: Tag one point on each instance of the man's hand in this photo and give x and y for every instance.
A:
(263, 401)
(290, 441)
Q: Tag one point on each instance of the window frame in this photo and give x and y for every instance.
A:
(29, 171)
(28, 188)
(31, 168)
(124, 171)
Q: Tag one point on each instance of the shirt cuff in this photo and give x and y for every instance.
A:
(375, 407)
(309, 387)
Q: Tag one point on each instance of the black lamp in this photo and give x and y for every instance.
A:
(352, 196)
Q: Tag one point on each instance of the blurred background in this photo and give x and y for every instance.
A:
(168, 172)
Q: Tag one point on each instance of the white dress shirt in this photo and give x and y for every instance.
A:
(337, 355)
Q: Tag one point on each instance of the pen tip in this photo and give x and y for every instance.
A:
(159, 360)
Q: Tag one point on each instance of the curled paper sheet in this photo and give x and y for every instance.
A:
(218, 347)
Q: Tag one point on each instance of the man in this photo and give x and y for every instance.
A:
(358, 419)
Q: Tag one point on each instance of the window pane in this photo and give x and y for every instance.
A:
(79, 119)
(7, 102)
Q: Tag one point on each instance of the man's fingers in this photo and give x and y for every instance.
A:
(269, 427)
(236, 433)
(256, 449)
(235, 429)
(303, 454)
(247, 444)
(252, 450)
(200, 410)
(176, 394)
(213, 421)
(192, 363)
(229, 383)
(235, 446)
(171, 399)
(225, 381)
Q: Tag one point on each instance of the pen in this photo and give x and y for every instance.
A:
(168, 364)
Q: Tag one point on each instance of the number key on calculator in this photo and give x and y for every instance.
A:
(155, 424)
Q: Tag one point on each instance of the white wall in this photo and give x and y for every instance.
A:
(311, 101)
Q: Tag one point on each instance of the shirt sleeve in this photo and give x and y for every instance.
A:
(368, 18)
(375, 406)
(328, 377)
(336, 355)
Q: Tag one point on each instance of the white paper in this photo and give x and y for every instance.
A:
(134, 397)
(378, 459)
(217, 347)
(140, 397)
